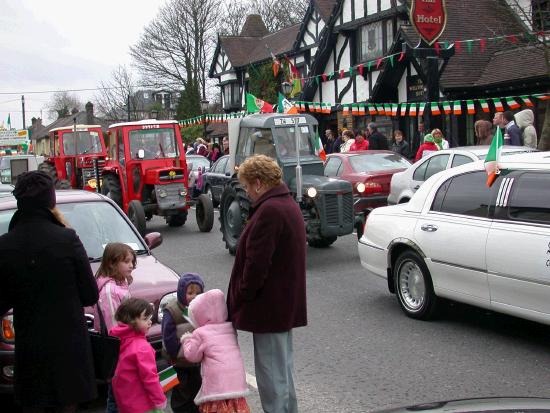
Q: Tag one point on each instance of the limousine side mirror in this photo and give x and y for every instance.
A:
(153, 239)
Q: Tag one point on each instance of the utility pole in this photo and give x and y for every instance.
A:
(128, 106)
(23, 109)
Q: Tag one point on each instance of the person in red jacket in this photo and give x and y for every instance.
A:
(428, 146)
(360, 144)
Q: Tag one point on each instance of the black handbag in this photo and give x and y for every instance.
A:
(105, 349)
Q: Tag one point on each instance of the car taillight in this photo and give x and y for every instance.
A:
(8, 332)
(372, 188)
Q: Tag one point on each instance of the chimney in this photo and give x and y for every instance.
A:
(90, 113)
(33, 122)
(74, 111)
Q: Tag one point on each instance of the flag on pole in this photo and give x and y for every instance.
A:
(527, 101)
(493, 157)
(447, 107)
(168, 379)
(9, 120)
(285, 106)
(435, 108)
(412, 109)
(319, 150)
(498, 105)
(484, 105)
(512, 103)
(254, 105)
(470, 106)
(457, 107)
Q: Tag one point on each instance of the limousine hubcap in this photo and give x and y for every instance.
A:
(411, 285)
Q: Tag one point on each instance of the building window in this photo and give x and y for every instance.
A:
(389, 34)
(540, 10)
(369, 42)
(231, 95)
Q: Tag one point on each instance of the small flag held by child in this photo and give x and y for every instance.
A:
(168, 379)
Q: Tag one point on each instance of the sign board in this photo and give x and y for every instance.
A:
(14, 137)
(288, 121)
(429, 18)
(415, 89)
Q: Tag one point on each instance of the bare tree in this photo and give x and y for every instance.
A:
(276, 17)
(234, 16)
(62, 103)
(176, 46)
(115, 94)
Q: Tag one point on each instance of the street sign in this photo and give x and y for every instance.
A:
(14, 137)
(429, 18)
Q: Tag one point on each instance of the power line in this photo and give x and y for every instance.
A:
(79, 90)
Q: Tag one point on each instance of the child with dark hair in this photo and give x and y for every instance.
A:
(174, 325)
(136, 382)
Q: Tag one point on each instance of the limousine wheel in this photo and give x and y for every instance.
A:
(413, 286)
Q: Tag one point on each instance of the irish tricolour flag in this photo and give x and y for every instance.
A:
(168, 378)
(493, 156)
(319, 150)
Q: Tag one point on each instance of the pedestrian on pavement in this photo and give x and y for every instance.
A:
(427, 147)
(483, 130)
(399, 145)
(113, 277)
(46, 276)
(418, 137)
(136, 382)
(347, 140)
(360, 143)
(337, 143)
(174, 326)
(376, 139)
(267, 290)
(512, 134)
(225, 143)
(214, 344)
(201, 148)
(439, 140)
(329, 144)
(525, 120)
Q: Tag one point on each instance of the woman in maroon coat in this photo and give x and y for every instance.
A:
(267, 290)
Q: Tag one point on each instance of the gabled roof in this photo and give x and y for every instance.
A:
(325, 8)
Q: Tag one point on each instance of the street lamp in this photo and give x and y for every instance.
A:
(204, 109)
(286, 88)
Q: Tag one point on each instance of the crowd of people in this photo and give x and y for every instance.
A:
(518, 129)
(209, 150)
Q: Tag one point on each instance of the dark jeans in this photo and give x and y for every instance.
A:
(111, 402)
(184, 393)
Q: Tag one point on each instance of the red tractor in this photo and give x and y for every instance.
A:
(146, 174)
(75, 161)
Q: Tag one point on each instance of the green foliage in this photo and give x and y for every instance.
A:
(190, 133)
(262, 84)
(189, 104)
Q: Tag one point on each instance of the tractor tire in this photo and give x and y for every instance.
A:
(234, 209)
(136, 214)
(204, 213)
(208, 192)
(177, 220)
(111, 188)
(49, 169)
(322, 242)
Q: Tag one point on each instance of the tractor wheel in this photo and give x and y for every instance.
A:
(204, 213)
(49, 169)
(321, 242)
(177, 220)
(234, 207)
(136, 214)
(208, 192)
(111, 188)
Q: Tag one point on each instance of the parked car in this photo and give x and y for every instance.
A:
(458, 239)
(98, 221)
(370, 173)
(404, 184)
(214, 180)
(194, 162)
(11, 166)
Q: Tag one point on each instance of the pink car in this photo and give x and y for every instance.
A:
(97, 220)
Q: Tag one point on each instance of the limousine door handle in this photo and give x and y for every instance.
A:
(428, 227)
(416, 187)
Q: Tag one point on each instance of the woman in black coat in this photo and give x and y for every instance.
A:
(46, 278)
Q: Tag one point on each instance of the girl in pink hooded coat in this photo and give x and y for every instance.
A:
(214, 344)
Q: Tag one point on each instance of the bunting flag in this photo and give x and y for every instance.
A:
(387, 109)
(345, 110)
(434, 107)
(542, 96)
(326, 108)
(380, 109)
(372, 110)
(394, 107)
(528, 102)
(412, 109)
(470, 106)
(355, 110)
(447, 107)
(421, 108)
(457, 107)
(498, 105)
(484, 105)
(512, 103)
(403, 109)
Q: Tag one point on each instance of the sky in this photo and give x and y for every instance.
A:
(59, 44)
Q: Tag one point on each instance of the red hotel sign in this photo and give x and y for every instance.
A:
(429, 18)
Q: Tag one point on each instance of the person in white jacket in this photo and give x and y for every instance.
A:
(525, 120)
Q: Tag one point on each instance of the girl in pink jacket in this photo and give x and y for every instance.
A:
(214, 344)
(136, 382)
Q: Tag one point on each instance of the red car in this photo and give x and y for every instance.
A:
(98, 220)
(370, 174)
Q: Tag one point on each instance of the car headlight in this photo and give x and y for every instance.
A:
(311, 192)
(8, 332)
(162, 193)
(163, 302)
(361, 187)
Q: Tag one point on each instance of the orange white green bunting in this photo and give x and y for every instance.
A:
(394, 107)
(346, 110)
(412, 109)
(470, 106)
(403, 109)
(362, 110)
(484, 105)
(527, 101)
(447, 107)
(435, 108)
(542, 96)
(512, 103)
(493, 157)
(457, 107)
(499, 107)
(372, 109)
(421, 108)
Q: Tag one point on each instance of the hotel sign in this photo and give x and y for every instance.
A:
(429, 18)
